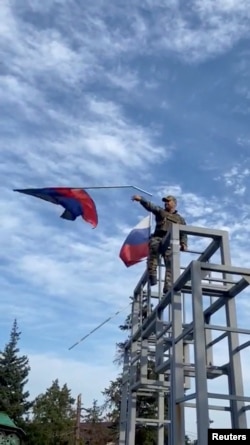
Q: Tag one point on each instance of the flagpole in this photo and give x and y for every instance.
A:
(111, 187)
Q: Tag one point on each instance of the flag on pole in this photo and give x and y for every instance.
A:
(135, 246)
(76, 202)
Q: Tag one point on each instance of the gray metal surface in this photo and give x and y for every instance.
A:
(167, 338)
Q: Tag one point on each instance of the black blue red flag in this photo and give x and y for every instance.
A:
(76, 202)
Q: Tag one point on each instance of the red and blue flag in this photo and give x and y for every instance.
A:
(76, 202)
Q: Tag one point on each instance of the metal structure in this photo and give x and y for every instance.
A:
(172, 359)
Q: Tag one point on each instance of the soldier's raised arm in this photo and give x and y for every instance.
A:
(149, 206)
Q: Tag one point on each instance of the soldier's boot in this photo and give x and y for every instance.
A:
(152, 280)
(144, 312)
(166, 288)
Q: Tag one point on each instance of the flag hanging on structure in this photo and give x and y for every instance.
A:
(76, 202)
(135, 246)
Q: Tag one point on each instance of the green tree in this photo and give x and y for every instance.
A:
(14, 371)
(95, 430)
(54, 417)
(112, 400)
(93, 414)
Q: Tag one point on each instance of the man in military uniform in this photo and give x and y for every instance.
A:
(164, 218)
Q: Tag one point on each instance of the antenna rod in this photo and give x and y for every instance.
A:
(98, 327)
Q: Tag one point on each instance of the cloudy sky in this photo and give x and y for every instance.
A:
(153, 93)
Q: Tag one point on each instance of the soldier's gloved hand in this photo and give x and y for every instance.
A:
(136, 198)
(183, 247)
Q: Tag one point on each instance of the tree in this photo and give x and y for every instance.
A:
(14, 371)
(54, 417)
(95, 430)
(94, 414)
(112, 399)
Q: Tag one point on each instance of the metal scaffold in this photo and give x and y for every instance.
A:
(178, 333)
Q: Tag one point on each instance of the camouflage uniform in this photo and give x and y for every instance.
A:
(164, 219)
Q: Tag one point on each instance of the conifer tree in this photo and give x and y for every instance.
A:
(54, 417)
(14, 371)
(96, 430)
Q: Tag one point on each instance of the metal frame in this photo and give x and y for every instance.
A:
(166, 338)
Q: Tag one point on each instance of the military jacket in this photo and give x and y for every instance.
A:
(164, 220)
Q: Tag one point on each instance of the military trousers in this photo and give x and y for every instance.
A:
(155, 244)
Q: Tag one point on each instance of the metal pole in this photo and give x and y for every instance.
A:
(98, 327)
(108, 187)
(120, 187)
(78, 420)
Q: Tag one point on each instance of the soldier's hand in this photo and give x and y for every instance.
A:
(136, 198)
(183, 247)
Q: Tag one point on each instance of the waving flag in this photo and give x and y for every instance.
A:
(135, 246)
(76, 202)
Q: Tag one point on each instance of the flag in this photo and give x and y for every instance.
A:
(135, 246)
(76, 202)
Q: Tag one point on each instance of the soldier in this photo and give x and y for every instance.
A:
(164, 218)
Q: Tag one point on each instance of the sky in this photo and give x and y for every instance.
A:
(150, 93)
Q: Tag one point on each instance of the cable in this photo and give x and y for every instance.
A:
(98, 327)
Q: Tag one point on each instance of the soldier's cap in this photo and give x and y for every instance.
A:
(169, 198)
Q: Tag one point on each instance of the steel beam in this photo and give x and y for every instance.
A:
(164, 337)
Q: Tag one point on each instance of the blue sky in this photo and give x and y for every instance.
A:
(154, 93)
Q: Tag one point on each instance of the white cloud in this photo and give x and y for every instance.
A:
(222, 6)
(243, 141)
(207, 29)
(48, 367)
(237, 178)
(104, 144)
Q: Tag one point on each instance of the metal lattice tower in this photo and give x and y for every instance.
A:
(163, 337)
